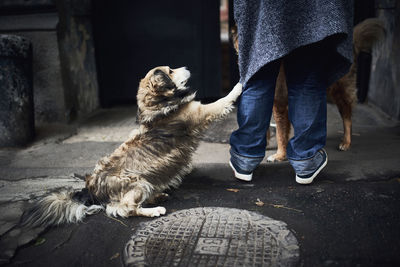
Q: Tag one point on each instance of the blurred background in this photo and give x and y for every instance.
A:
(91, 54)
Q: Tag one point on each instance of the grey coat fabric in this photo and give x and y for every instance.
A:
(270, 29)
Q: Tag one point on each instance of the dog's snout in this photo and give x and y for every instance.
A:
(183, 72)
(182, 69)
(186, 71)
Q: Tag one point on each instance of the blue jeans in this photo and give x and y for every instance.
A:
(307, 82)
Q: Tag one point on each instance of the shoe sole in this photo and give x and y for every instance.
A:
(240, 176)
(310, 179)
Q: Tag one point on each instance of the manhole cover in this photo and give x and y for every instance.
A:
(212, 237)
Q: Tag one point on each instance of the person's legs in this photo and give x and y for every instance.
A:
(253, 116)
(307, 83)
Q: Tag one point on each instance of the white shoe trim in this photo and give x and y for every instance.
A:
(241, 176)
(310, 179)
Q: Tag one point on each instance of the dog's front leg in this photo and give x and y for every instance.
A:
(223, 106)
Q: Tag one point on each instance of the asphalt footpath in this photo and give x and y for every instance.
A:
(349, 216)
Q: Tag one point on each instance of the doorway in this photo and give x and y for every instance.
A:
(132, 37)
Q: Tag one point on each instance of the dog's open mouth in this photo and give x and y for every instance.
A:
(183, 83)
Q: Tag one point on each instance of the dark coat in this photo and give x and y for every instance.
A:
(270, 29)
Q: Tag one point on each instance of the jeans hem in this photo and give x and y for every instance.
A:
(308, 158)
(248, 164)
(307, 166)
(242, 156)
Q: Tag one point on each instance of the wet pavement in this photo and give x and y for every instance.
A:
(349, 216)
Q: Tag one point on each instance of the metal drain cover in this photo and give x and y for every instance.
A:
(212, 237)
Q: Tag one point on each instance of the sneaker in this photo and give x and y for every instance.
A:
(308, 179)
(240, 174)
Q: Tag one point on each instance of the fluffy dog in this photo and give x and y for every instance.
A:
(342, 92)
(155, 158)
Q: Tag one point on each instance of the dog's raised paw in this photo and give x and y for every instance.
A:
(237, 89)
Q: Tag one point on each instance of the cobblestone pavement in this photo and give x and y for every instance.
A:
(347, 217)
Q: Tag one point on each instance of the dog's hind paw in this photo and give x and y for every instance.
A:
(276, 158)
(344, 146)
(151, 212)
(159, 211)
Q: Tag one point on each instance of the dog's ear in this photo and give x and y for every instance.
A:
(160, 81)
(234, 38)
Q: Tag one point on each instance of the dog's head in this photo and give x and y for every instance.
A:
(162, 91)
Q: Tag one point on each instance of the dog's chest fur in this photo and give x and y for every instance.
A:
(158, 157)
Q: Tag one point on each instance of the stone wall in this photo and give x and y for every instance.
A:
(76, 47)
(64, 71)
(16, 101)
(384, 89)
(49, 100)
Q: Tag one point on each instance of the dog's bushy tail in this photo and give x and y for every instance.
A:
(64, 206)
(366, 34)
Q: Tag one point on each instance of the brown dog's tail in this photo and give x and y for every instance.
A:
(65, 206)
(366, 34)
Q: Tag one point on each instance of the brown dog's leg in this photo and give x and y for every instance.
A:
(343, 94)
(281, 116)
(282, 132)
(346, 141)
(345, 110)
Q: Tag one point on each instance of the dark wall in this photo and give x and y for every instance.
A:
(26, 6)
(385, 72)
(363, 9)
(131, 37)
(77, 57)
(37, 20)
(64, 70)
